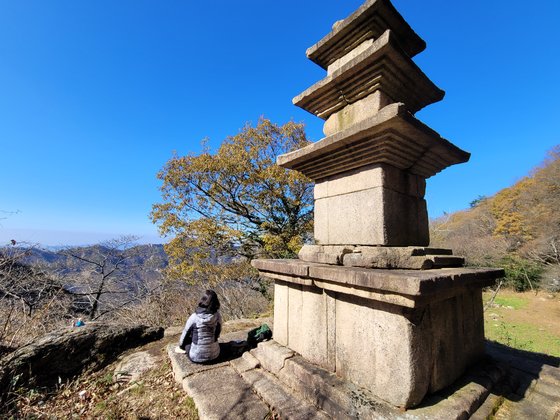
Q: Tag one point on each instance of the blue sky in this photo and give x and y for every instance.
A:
(96, 95)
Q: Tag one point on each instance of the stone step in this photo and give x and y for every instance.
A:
(341, 399)
(489, 408)
(284, 400)
(447, 261)
(274, 380)
(222, 394)
(217, 390)
(324, 390)
(534, 385)
(239, 389)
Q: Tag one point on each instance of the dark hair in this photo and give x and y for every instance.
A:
(209, 301)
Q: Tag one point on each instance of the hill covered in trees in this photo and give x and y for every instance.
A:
(518, 229)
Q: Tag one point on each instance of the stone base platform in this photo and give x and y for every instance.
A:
(272, 381)
(343, 400)
(401, 334)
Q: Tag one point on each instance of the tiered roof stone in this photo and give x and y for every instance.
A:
(393, 136)
(381, 66)
(369, 21)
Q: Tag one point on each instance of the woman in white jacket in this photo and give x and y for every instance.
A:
(203, 329)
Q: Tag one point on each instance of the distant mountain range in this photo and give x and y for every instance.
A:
(151, 255)
(144, 263)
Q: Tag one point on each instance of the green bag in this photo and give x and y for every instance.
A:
(258, 335)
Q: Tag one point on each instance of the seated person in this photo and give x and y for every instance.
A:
(203, 329)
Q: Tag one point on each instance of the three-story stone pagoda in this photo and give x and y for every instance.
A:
(370, 301)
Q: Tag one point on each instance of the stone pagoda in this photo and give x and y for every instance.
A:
(370, 301)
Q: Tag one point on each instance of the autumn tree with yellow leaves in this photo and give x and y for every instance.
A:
(225, 208)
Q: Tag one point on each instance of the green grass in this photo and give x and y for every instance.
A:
(138, 388)
(511, 301)
(522, 336)
(106, 380)
(190, 407)
(511, 322)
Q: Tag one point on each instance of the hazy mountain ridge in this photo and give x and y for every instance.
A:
(134, 271)
(151, 257)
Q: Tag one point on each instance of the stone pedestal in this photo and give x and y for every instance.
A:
(399, 333)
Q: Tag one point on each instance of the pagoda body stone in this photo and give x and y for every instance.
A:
(370, 301)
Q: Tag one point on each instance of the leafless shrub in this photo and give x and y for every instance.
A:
(32, 302)
(175, 300)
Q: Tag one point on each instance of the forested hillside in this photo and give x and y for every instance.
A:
(518, 229)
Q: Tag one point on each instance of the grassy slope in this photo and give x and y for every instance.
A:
(525, 321)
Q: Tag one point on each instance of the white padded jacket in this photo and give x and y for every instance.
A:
(203, 329)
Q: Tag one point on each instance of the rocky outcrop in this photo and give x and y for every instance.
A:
(65, 353)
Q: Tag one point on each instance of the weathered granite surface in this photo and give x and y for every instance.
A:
(362, 304)
(130, 367)
(373, 205)
(401, 334)
(369, 21)
(412, 284)
(342, 399)
(414, 258)
(371, 167)
(355, 112)
(532, 390)
(218, 390)
(370, 177)
(508, 384)
(68, 352)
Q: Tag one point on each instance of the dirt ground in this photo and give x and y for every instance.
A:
(543, 308)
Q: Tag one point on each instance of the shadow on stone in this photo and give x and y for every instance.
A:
(229, 351)
(504, 374)
(526, 369)
(232, 350)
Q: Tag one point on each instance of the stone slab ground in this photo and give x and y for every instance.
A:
(274, 382)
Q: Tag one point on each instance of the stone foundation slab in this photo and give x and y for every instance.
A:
(414, 258)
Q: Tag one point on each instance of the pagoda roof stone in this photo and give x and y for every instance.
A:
(393, 136)
(370, 21)
(412, 283)
(383, 66)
